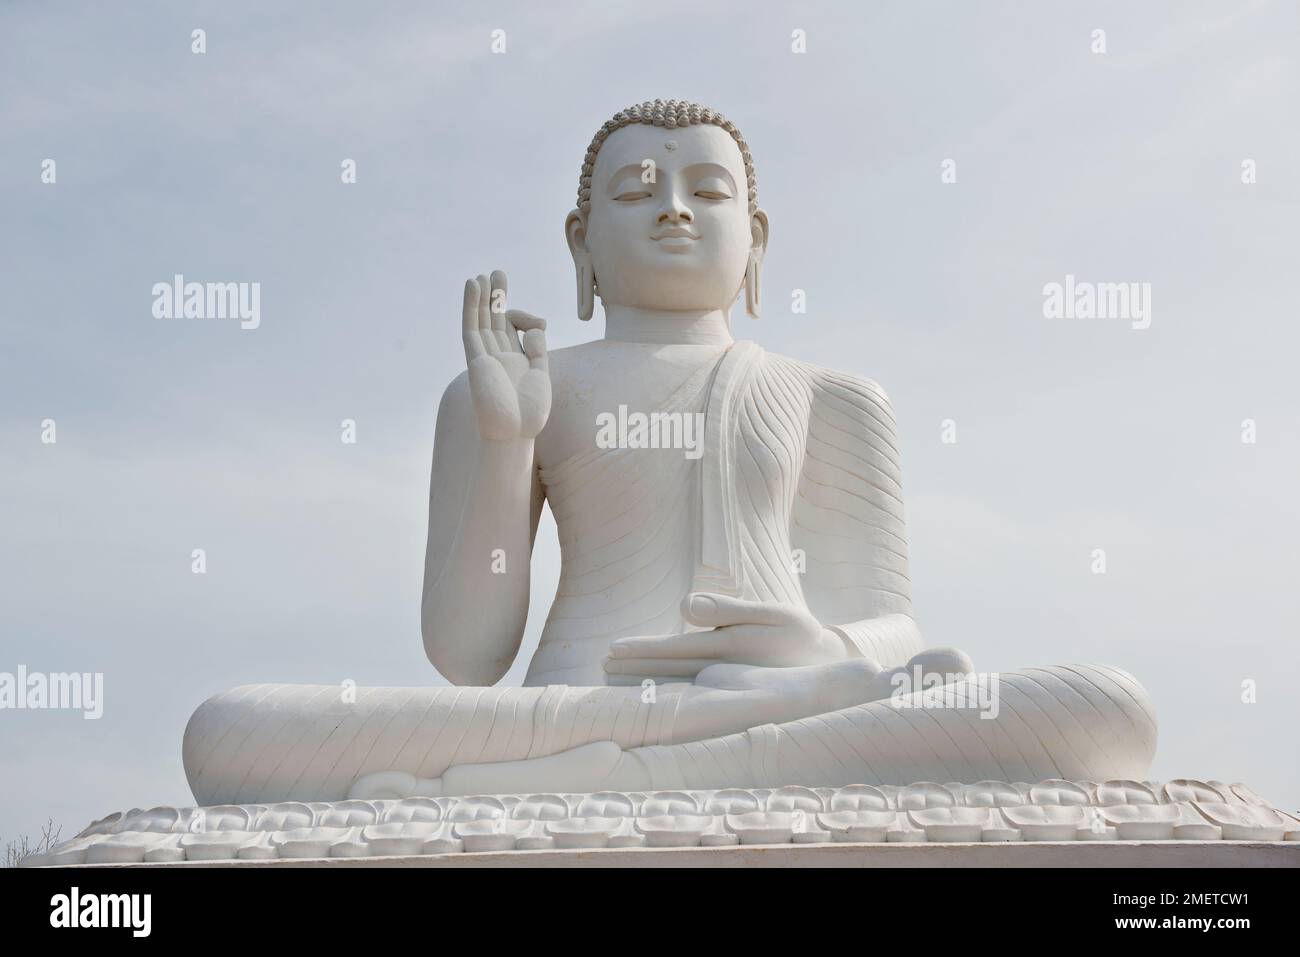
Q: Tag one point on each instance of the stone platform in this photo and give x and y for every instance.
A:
(1068, 854)
(991, 823)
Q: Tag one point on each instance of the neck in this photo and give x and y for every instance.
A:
(695, 327)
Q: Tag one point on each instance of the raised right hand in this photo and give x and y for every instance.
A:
(508, 380)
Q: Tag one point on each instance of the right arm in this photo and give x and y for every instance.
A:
(485, 498)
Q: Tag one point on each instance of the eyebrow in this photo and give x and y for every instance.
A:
(616, 178)
(712, 169)
(695, 169)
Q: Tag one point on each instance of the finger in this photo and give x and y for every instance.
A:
(524, 321)
(469, 307)
(712, 611)
(633, 681)
(698, 644)
(469, 322)
(534, 340)
(485, 313)
(535, 349)
(497, 311)
(657, 667)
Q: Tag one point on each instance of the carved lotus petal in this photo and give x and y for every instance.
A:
(228, 817)
(859, 826)
(397, 840)
(126, 848)
(408, 810)
(949, 815)
(962, 824)
(496, 825)
(992, 794)
(674, 830)
(166, 819)
(1046, 823)
(351, 814)
(1142, 822)
(859, 797)
(1124, 813)
(586, 825)
(584, 831)
(795, 798)
(926, 794)
(732, 801)
(1058, 791)
(1229, 796)
(474, 808)
(66, 854)
(274, 817)
(1248, 795)
(1244, 822)
(669, 803)
(1192, 825)
(762, 827)
(541, 807)
(303, 842)
(103, 826)
(217, 846)
(605, 804)
(494, 834)
(1111, 793)
(1186, 789)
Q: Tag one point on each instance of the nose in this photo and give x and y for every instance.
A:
(674, 210)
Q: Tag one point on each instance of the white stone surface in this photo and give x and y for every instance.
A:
(1113, 854)
(733, 610)
(989, 812)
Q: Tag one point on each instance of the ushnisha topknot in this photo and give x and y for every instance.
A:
(670, 114)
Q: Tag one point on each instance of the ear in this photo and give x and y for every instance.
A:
(575, 232)
(758, 228)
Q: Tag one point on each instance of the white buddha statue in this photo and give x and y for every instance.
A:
(735, 613)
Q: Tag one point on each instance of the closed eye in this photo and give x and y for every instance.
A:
(712, 187)
(632, 196)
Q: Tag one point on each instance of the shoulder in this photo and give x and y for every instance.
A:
(569, 361)
(569, 355)
(835, 387)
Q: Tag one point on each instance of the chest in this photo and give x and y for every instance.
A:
(619, 389)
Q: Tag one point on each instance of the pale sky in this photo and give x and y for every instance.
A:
(1072, 435)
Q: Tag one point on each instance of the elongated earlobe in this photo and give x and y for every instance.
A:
(586, 291)
(754, 267)
(575, 233)
(753, 281)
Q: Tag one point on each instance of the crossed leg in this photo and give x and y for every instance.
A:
(725, 699)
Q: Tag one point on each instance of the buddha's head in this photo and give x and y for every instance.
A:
(667, 215)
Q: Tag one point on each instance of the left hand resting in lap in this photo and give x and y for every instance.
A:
(767, 634)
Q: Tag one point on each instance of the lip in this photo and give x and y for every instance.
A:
(675, 232)
(675, 239)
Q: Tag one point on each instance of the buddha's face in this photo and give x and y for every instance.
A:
(678, 240)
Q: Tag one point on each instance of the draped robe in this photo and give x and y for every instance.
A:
(797, 499)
